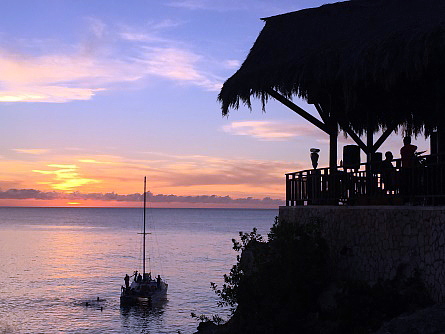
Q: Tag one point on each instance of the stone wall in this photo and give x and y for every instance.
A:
(372, 242)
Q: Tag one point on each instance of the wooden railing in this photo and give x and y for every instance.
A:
(420, 185)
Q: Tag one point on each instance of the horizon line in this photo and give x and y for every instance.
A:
(130, 207)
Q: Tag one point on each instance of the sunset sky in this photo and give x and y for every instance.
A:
(96, 94)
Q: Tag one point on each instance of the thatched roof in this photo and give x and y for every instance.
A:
(384, 58)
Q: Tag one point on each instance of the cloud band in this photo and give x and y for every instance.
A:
(136, 197)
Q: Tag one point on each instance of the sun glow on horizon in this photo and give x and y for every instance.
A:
(92, 176)
(66, 177)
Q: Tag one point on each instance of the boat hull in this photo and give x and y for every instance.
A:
(127, 300)
(143, 294)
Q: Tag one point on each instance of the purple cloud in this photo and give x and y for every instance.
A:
(136, 197)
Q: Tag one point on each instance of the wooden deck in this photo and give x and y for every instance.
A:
(369, 185)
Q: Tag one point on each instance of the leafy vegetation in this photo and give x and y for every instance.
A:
(287, 285)
(274, 281)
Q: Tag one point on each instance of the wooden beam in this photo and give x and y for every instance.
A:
(369, 140)
(333, 136)
(346, 128)
(322, 113)
(354, 137)
(333, 151)
(383, 137)
(277, 96)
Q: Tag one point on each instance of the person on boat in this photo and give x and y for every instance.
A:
(135, 274)
(139, 280)
(158, 282)
(127, 281)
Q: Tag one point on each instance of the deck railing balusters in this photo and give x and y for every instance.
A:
(422, 185)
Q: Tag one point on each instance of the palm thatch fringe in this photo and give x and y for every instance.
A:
(385, 58)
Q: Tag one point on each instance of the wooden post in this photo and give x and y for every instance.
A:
(433, 145)
(440, 142)
(333, 151)
(370, 145)
(332, 179)
(369, 140)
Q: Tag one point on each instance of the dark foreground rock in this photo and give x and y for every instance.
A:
(208, 327)
(430, 320)
(288, 285)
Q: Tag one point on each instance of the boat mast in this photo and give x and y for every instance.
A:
(144, 234)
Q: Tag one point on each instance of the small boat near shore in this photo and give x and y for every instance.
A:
(144, 289)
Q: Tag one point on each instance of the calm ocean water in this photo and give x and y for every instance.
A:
(54, 260)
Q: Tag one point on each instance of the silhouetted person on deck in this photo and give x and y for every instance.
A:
(408, 157)
(127, 281)
(388, 172)
(407, 153)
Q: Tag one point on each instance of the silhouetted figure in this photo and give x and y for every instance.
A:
(139, 280)
(407, 153)
(127, 283)
(388, 172)
(158, 282)
(135, 274)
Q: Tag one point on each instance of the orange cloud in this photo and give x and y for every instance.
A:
(66, 177)
(182, 175)
(35, 151)
(93, 161)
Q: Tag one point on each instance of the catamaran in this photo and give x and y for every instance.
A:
(144, 289)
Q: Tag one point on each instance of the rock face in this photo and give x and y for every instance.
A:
(430, 320)
(369, 243)
(208, 327)
(427, 321)
(289, 285)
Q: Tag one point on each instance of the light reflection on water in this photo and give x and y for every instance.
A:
(54, 261)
